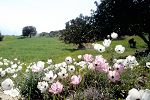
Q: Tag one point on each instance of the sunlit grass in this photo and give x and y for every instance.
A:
(43, 48)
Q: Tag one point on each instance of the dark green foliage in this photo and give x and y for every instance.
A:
(1, 37)
(126, 17)
(51, 34)
(29, 31)
(78, 31)
(28, 86)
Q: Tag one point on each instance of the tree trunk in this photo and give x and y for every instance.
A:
(147, 41)
(81, 46)
(30, 35)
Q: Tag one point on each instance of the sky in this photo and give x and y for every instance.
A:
(45, 15)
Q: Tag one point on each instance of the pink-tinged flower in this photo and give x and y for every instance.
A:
(113, 76)
(100, 64)
(88, 57)
(75, 80)
(37, 67)
(56, 88)
(118, 67)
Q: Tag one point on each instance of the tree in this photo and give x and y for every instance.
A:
(78, 31)
(1, 37)
(29, 31)
(126, 17)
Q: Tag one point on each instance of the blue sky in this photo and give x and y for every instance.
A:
(45, 15)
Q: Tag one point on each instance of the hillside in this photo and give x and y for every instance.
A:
(43, 48)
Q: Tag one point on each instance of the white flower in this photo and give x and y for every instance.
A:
(68, 60)
(12, 92)
(99, 47)
(27, 70)
(91, 67)
(6, 63)
(15, 59)
(79, 56)
(119, 49)
(49, 61)
(71, 68)
(19, 68)
(114, 35)
(130, 61)
(108, 36)
(1, 69)
(39, 66)
(10, 70)
(83, 64)
(106, 42)
(50, 76)
(146, 95)
(14, 76)
(1, 63)
(14, 66)
(133, 94)
(64, 65)
(7, 84)
(42, 86)
(63, 73)
(148, 64)
(2, 73)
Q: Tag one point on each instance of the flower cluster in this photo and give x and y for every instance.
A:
(53, 78)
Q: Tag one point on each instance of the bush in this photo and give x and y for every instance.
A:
(1, 37)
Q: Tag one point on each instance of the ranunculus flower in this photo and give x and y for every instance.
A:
(119, 49)
(106, 42)
(42, 86)
(56, 88)
(68, 60)
(75, 80)
(118, 67)
(114, 35)
(113, 76)
(7, 84)
(88, 58)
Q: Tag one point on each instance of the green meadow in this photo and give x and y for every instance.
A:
(42, 48)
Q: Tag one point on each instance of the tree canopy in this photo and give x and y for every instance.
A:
(78, 31)
(29, 31)
(126, 17)
(1, 36)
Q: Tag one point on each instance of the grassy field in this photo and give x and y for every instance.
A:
(43, 48)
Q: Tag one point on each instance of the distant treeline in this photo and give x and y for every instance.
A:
(51, 34)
